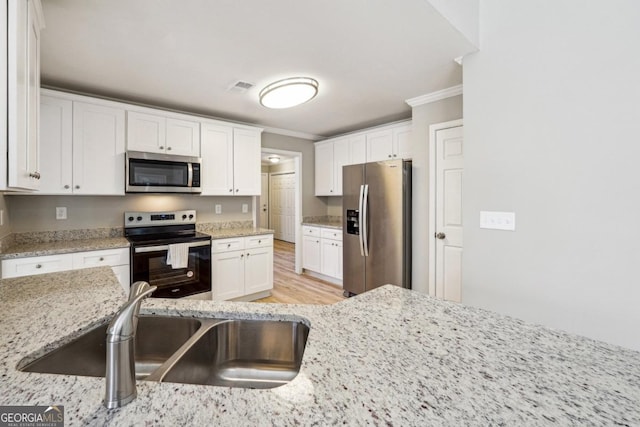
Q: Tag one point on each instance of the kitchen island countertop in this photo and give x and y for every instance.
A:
(387, 357)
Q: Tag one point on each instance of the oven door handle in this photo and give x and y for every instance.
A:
(143, 249)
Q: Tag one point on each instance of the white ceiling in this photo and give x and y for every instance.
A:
(369, 56)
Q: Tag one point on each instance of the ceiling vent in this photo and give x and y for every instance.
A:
(240, 87)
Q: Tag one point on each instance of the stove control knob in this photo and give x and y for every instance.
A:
(139, 218)
(191, 216)
(184, 217)
(130, 218)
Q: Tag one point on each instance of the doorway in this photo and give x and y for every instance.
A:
(446, 167)
(290, 162)
(282, 206)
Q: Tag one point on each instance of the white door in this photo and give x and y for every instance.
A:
(183, 137)
(264, 201)
(448, 232)
(258, 270)
(227, 280)
(282, 197)
(246, 162)
(324, 172)
(217, 160)
(311, 253)
(145, 132)
(56, 118)
(380, 145)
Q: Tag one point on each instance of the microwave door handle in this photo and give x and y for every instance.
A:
(143, 249)
(190, 174)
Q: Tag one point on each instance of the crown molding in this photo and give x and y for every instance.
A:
(435, 96)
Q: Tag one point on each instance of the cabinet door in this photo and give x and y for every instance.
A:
(402, 142)
(357, 149)
(324, 169)
(98, 149)
(56, 117)
(217, 160)
(380, 145)
(145, 132)
(227, 278)
(311, 253)
(258, 270)
(330, 264)
(246, 162)
(23, 77)
(340, 159)
(183, 137)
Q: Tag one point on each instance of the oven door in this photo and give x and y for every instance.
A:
(149, 263)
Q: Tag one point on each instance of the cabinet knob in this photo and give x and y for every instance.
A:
(34, 175)
(161, 147)
(231, 190)
(395, 155)
(237, 189)
(101, 259)
(228, 245)
(77, 187)
(259, 241)
(168, 148)
(38, 265)
(248, 254)
(330, 191)
(66, 187)
(241, 255)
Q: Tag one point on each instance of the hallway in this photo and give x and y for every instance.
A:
(292, 288)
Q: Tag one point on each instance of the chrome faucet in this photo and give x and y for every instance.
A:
(121, 373)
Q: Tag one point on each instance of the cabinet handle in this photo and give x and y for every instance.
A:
(395, 155)
(101, 259)
(168, 148)
(241, 255)
(231, 190)
(228, 245)
(237, 189)
(34, 175)
(66, 187)
(77, 187)
(330, 191)
(248, 254)
(389, 155)
(259, 241)
(38, 266)
(161, 147)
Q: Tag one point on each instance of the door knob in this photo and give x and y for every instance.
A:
(440, 236)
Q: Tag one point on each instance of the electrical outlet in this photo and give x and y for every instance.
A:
(245, 208)
(61, 212)
(218, 209)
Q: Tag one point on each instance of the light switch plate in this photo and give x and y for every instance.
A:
(498, 220)
(61, 213)
(245, 208)
(218, 209)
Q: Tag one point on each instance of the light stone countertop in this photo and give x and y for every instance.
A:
(387, 357)
(62, 247)
(226, 233)
(325, 224)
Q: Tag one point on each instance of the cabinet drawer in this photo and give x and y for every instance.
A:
(110, 257)
(258, 241)
(310, 231)
(225, 245)
(36, 265)
(331, 233)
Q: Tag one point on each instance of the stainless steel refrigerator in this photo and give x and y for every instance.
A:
(376, 198)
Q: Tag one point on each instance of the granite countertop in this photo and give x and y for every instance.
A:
(324, 223)
(387, 357)
(225, 233)
(62, 247)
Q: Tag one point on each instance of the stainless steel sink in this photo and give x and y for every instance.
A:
(232, 353)
(243, 353)
(158, 338)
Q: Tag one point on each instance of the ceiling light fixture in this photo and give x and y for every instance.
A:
(289, 92)
(274, 159)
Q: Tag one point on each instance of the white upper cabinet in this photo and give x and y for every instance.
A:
(386, 143)
(83, 144)
(230, 160)
(98, 149)
(154, 133)
(24, 21)
(56, 145)
(324, 169)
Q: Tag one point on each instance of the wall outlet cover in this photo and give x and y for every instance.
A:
(218, 209)
(245, 208)
(61, 212)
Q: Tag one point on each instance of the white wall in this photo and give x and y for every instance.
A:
(424, 116)
(552, 120)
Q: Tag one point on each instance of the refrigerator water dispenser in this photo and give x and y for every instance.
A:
(352, 221)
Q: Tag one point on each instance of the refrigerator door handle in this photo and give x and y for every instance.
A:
(365, 220)
(360, 241)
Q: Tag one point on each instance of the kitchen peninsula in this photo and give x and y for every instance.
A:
(387, 357)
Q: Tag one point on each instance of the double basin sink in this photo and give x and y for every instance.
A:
(221, 352)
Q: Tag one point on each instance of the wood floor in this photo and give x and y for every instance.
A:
(292, 288)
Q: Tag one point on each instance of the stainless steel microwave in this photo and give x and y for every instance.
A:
(162, 173)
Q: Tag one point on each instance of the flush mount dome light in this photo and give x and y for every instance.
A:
(288, 92)
(274, 159)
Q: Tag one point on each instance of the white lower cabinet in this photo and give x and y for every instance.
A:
(117, 259)
(322, 251)
(242, 267)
